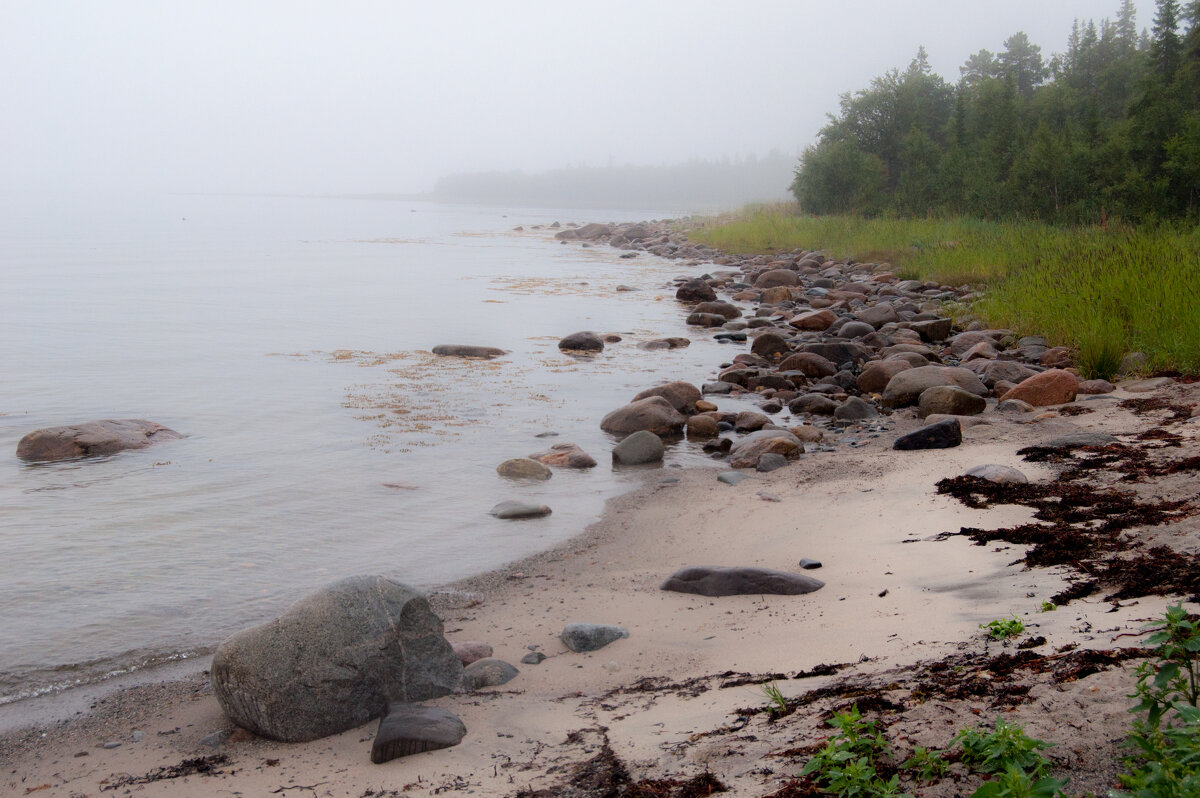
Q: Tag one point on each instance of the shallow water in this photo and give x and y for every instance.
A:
(288, 339)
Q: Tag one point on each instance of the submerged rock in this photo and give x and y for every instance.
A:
(462, 350)
(512, 510)
(92, 439)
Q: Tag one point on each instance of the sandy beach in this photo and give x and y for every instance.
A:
(679, 707)
(895, 596)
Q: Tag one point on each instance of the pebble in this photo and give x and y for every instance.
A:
(809, 564)
(110, 745)
(136, 736)
(533, 658)
(732, 477)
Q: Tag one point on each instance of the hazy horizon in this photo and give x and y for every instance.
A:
(376, 97)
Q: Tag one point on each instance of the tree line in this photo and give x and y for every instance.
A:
(1108, 128)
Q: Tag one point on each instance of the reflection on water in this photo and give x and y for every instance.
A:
(289, 340)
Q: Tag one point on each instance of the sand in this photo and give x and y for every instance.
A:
(895, 596)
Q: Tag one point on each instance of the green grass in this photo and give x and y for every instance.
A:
(1104, 291)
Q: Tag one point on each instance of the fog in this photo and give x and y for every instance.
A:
(354, 97)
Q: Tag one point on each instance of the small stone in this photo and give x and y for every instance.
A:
(137, 736)
(1002, 474)
(524, 468)
(768, 497)
(580, 637)
(513, 510)
(214, 739)
(809, 564)
(582, 342)
(487, 672)
(469, 651)
(731, 477)
(533, 658)
(111, 744)
(771, 462)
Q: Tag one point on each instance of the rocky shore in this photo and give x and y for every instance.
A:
(902, 482)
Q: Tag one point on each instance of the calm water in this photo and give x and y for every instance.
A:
(288, 339)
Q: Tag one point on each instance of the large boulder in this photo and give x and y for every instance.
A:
(463, 350)
(92, 439)
(334, 661)
(906, 387)
(1053, 387)
(654, 413)
(712, 580)
(682, 395)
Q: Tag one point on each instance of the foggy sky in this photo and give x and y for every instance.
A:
(307, 97)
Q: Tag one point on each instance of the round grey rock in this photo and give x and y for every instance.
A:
(639, 448)
(582, 342)
(581, 637)
(487, 672)
(334, 660)
(524, 468)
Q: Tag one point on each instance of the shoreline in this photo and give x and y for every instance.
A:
(895, 595)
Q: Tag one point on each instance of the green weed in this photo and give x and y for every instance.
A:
(776, 701)
(1005, 748)
(1048, 606)
(1004, 628)
(1166, 736)
(926, 765)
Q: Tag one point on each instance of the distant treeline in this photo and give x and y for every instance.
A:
(692, 186)
(1111, 127)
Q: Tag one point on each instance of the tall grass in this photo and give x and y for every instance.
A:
(1105, 291)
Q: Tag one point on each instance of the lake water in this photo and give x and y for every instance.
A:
(288, 339)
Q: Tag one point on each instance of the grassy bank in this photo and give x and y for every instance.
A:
(1105, 291)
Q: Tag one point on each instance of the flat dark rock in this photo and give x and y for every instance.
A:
(461, 350)
(1075, 440)
(411, 729)
(712, 580)
(92, 439)
(942, 435)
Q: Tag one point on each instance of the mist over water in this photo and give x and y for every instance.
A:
(288, 338)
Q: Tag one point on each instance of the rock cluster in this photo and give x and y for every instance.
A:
(836, 343)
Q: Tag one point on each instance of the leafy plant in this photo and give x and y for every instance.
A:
(1016, 783)
(1048, 606)
(1005, 748)
(927, 765)
(1173, 678)
(845, 765)
(1167, 738)
(1004, 628)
